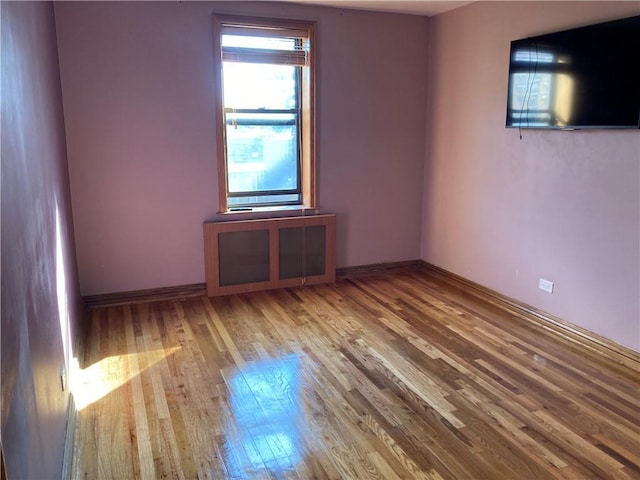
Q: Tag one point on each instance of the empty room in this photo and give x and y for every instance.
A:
(320, 239)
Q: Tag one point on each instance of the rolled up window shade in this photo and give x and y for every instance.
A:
(258, 55)
(292, 50)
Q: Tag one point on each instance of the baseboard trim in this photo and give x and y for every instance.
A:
(377, 268)
(581, 336)
(578, 335)
(70, 439)
(199, 289)
(3, 473)
(144, 296)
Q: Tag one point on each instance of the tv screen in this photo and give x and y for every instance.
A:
(587, 77)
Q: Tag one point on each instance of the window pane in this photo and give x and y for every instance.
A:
(255, 85)
(293, 199)
(250, 41)
(261, 158)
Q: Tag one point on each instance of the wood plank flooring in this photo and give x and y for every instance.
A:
(384, 377)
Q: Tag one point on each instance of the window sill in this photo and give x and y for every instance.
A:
(270, 212)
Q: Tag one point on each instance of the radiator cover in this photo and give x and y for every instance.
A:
(251, 255)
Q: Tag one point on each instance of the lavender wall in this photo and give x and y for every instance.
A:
(138, 100)
(559, 205)
(40, 295)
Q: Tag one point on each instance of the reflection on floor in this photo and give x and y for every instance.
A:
(265, 410)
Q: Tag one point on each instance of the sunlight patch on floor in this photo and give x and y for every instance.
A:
(90, 384)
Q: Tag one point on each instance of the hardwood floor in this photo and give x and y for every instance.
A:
(382, 377)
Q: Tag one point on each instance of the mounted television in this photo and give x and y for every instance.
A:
(586, 77)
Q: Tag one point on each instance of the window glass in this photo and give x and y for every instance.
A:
(261, 157)
(247, 41)
(255, 85)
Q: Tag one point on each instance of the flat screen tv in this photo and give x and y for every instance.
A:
(586, 77)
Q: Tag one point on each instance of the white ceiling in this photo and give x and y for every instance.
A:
(414, 7)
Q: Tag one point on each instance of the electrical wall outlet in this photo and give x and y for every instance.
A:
(545, 285)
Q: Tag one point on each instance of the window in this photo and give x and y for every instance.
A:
(265, 123)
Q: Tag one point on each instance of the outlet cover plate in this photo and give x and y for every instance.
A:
(545, 285)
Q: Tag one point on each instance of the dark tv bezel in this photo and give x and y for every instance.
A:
(544, 38)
